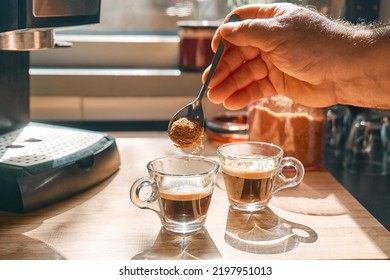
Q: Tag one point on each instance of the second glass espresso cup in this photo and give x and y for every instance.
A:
(253, 172)
(181, 190)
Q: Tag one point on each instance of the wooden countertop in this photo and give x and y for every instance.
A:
(317, 220)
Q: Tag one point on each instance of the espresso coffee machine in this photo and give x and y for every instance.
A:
(41, 164)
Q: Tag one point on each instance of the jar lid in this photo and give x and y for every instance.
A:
(227, 127)
(229, 122)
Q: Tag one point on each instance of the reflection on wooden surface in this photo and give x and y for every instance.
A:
(171, 246)
(263, 232)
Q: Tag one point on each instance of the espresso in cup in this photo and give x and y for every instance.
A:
(252, 185)
(181, 190)
(185, 204)
(252, 173)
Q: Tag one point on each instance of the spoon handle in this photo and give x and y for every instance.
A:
(214, 62)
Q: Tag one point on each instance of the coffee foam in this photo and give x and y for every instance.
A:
(185, 192)
(266, 170)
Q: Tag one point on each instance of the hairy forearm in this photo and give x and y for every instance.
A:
(366, 72)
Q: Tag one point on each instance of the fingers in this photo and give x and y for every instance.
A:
(245, 75)
(246, 72)
(261, 10)
(231, 60)
(258, 33)
(245, 96)
(243, 86)
(262, 15)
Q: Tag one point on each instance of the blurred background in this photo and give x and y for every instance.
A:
(127, 68)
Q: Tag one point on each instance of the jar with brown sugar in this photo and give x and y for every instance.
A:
(297, 129)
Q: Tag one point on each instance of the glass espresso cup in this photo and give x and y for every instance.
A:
(181, 188)
(253, 172)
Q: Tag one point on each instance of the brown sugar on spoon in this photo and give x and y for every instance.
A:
(186, 133)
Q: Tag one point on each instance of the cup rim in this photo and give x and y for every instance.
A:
(249, 157)
(190, 157)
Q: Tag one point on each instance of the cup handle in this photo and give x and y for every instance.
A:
(288, 182)
(151, 202)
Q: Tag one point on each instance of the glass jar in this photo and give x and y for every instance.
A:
(227, 127)
(298, 129)
(195, 52)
